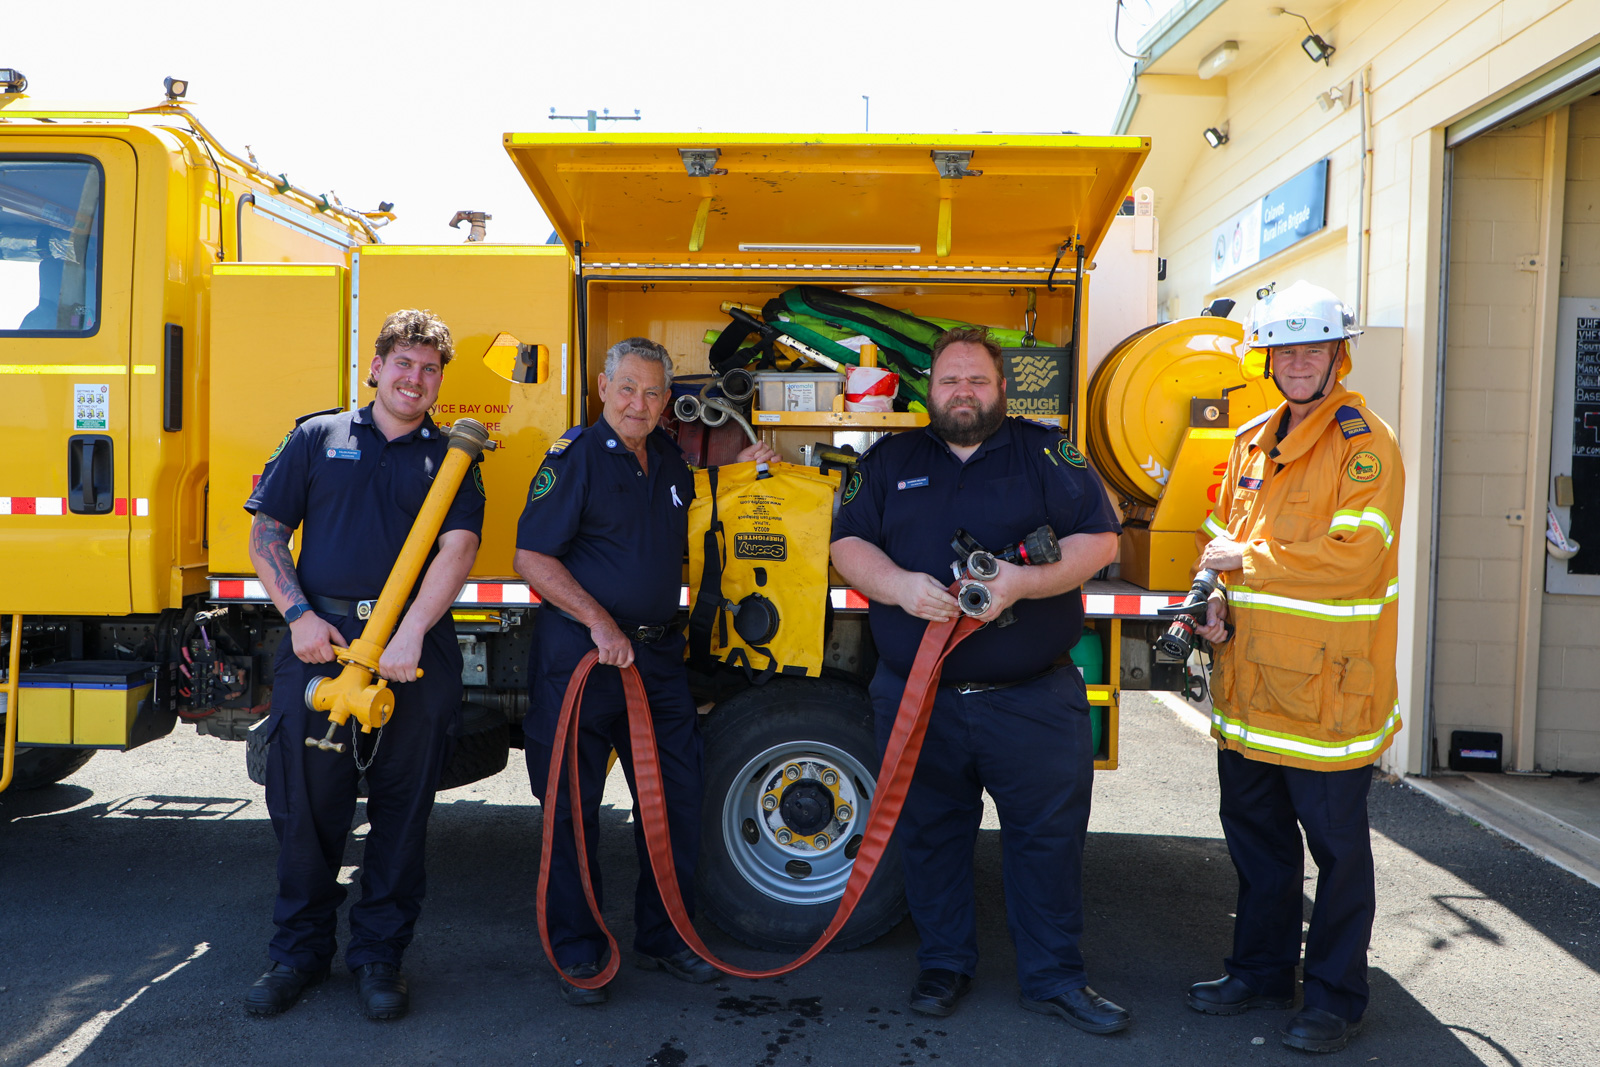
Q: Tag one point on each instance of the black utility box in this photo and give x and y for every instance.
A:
(1474, 750)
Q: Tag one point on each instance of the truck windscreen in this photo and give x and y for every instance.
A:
(49, 246)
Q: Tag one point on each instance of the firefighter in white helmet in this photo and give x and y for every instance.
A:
(1304, 535)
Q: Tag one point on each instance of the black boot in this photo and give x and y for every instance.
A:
(277, 991)
(382, 989)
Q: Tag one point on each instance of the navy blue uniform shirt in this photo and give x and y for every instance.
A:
(910, 493)
(354, 496)
(620, 530)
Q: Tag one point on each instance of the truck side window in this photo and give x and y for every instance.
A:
(49, 246)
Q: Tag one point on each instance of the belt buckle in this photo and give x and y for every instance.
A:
(364, 608)
(649, 635)
(966, 688)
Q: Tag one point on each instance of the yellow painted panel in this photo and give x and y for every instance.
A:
(631, 195)
(260, 386)
(482, 291)
(57, 562)
(105, 716)
(1195, 482)
(46, 717)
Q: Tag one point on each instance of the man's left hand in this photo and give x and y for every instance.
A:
(399, 660)
(760, 452)
(1005, 589)
(1223, 555)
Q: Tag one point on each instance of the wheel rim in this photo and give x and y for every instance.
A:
(769, 862)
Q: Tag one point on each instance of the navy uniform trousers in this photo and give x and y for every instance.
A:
(1031, 747)
(311, 796)
(559, 644)
(1261, 804)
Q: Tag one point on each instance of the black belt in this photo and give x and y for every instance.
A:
(360, 609)
(645, 635)
(985, 687)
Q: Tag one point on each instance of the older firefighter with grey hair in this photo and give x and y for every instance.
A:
(1304, 697)
(601, 540)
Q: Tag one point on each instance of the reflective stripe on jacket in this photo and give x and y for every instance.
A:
(1308, 678)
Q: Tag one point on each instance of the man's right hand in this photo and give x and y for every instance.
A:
(922, 596)
(1216, 628)
(314, 638)
(615, 649)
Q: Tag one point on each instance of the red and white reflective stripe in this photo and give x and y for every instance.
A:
(57, 505)
(238, 589)
(1106, 605)
(497, 593)
(844, 599)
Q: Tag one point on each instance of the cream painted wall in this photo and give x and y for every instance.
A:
(1427, 63)
(1569, 661)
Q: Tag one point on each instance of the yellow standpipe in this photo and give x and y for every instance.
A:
(12, 687)
(353, 691)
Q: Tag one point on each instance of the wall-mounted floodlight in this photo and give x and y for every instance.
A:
(1219, 309)
(1218, 60)
(1216, 136)
(12, 81)
(176, 88)
(1315, 47)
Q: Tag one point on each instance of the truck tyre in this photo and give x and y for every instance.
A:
(36, 768)
(760, 879)
(480, 751)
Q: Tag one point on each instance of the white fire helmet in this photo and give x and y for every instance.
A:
(1302, 314)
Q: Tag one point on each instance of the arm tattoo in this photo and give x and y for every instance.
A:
(270, 539)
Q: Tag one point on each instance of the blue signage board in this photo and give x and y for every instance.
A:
(1295, 210)
(1292, 212)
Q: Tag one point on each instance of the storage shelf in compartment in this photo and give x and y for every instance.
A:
(847, 420)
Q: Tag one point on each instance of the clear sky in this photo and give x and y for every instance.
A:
(405, 101)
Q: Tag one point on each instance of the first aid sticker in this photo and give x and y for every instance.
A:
(91, 407)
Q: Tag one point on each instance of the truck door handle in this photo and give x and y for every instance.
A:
(89, 474)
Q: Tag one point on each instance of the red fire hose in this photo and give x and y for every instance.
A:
(894, 780)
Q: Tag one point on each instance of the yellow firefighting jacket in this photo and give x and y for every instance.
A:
(1308, 679)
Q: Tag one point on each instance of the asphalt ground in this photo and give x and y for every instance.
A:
(135, 900)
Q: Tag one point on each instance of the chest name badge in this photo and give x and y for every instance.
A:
(911, 483)
(1249, 483)
(344, 453)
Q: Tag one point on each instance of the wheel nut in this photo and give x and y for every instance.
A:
(820, 841)
(791, 772)
(842, 813)
(769, 803)
(784, 837)
(829, 778)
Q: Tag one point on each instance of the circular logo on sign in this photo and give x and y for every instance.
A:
(1295, 324)
(1070, 453)
(1364, 467)
(854, 487)
(543, 482)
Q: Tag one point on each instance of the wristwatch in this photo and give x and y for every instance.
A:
(295, 612)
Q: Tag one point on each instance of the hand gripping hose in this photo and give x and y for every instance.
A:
(894, 780)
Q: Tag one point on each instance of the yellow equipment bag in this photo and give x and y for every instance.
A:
(758, 568)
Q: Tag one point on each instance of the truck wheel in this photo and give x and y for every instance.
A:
(480, 751)
(36, 768)
(789, 786)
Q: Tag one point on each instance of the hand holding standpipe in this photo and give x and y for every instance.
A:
(1178, 641)
(976, 565)
(352, 691)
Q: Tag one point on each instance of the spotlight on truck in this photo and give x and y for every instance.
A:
(176, 88)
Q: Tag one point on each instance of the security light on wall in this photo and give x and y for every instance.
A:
(1317, 49)
(1218, 60)
(1216, 136)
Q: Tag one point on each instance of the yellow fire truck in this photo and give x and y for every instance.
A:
(168, 308)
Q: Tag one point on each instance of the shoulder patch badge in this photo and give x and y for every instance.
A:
(477, 480)
(1364, 467)
(1070, 453)
(852, 487)
(543, 482)
(1351, 424)
(559, 445)
(279, 449)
